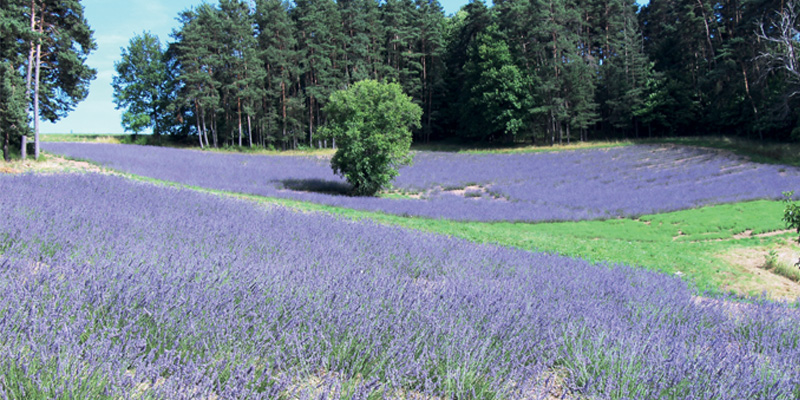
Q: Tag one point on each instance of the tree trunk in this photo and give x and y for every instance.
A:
(214, 134)
(32, 51)
(283, 107)
(239, 112)
(36, 94)
(197, 122)
(23, 151)
(6, 140)
(205, 128)
(311, 121)
(249, 131)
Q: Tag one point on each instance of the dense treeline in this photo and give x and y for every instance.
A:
(524, 70)
(544, 71)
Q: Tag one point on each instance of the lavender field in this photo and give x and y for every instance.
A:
(116, 289)
(574, 185)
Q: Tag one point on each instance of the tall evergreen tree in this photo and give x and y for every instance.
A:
(318, 32)
(244, 70)
(499, 100)
(13, 118)
(14, 34)
(199, 56)
(431, 49)
(278, 44)
(60, 75)
(460, 32)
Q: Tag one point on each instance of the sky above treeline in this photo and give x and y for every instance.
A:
(114, 22)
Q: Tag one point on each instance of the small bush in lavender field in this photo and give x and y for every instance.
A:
(791, 215)
(114, 289)
(370, 122)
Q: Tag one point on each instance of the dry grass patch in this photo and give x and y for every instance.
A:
(50, 164)
(760, 276)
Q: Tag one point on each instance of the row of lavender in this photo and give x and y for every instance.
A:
(575, 185)
(115, 289)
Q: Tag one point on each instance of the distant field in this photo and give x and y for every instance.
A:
(84, 138)
(120, 289)
(561, 186)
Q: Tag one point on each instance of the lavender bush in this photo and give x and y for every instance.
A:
(115, 289)
(574, 185)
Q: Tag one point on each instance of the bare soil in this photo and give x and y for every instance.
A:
(752, 261)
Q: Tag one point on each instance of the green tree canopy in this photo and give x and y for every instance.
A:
(141, 83)
(14, 34)
(371, 123)
(499, 92)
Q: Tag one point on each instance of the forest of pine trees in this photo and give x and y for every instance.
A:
(259, 73)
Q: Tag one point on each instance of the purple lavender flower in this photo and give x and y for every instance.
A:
(119, 289)
(570, 185)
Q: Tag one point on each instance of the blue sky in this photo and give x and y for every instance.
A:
(114, 23)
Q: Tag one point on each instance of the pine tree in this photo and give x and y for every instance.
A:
(57, 59)
(499, 99)
(361, 39)
(199, 55)
(460, 31)
(318, 32)
(13, 118)
(431, 48)
(14, 33)
(277, 42)
(624, 68)
(244, 71)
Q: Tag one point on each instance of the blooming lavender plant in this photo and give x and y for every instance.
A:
(572, 185)
(116, 289)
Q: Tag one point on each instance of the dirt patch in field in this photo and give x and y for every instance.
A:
(742, 235)
(749, 234)
(758, 279)
(50, 164)
(472, 192)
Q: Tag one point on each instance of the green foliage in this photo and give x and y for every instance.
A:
(500, 94)
(67, 40)
(370, 122)
(791, 215)
(141, 84)
(135, 123)
(13, 115)
(13, 100)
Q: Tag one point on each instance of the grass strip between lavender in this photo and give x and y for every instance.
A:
(154, 292)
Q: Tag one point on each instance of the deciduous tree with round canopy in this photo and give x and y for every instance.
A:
(371, 123)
